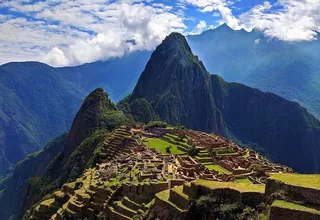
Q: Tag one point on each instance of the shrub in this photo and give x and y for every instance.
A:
(156, 124)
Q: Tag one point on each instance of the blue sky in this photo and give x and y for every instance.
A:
(66, 32)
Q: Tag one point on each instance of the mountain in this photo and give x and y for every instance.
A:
(176, 85)
(179, 90)
(288, 69)
(63, 159)
(38, 102)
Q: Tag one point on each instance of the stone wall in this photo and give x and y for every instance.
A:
(278, 213)
(178, 200)
(164, 211)
(295, 193)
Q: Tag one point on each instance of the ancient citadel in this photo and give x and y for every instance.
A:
(152, 174)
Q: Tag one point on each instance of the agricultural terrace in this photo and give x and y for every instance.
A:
(304, 180)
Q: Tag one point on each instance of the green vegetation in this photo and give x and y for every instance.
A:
(298, 207)
(244, 180)
(179, 190)
(27, 172)
(305, 180)
(48, 202)
(218, 169)
(158, 124)
(161, 145)
(208, 207)
(39, 101)
(193, 151)
(242, 187)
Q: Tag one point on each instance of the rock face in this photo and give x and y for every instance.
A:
(177, 86)
(180, 91)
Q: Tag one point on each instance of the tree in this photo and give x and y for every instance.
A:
(168, 149)
(193, 151)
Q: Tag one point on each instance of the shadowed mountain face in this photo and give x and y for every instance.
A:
(177, 86)
(288, 69)
(39, 102)
(178, 89)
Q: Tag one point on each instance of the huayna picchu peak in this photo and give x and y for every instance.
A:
(186, 94)
(177, 86)
(184, 145)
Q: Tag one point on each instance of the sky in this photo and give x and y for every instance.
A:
(73, 32)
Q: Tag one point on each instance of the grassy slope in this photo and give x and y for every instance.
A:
(297, 207)
(161, 145)
(299, 179)
(242, 187)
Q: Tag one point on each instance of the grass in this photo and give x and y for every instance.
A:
(71, 185)
(243, 180)
(294, 206)
(159, 144)
(149, 204)
(218, 169)
(164, 196)
(246, 155)
(176, 138)
(179, 190)
(242, 187)
(304, 180)
(87, 181)
(82, 193)
(228, 154)
(47, 202)
(120, 204)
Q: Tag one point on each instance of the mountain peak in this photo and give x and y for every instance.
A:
(224, 27)
(175, 84)
(175, 46)
(88, 118)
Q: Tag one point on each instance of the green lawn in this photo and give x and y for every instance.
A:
(242, 187)
(305, 180)
(161, 145)
(294, 206)
(217, 168)
(176, 138)
(244, 180)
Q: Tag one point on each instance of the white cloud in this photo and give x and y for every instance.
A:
(200, 27)
(296, 20)
(76, 32)
(214, 6)
(64, 32)
(257, 41)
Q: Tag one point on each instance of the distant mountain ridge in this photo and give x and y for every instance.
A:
(178, 89)
(38, 102)
(288, 69)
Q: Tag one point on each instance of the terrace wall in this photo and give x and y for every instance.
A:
(295, 193)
